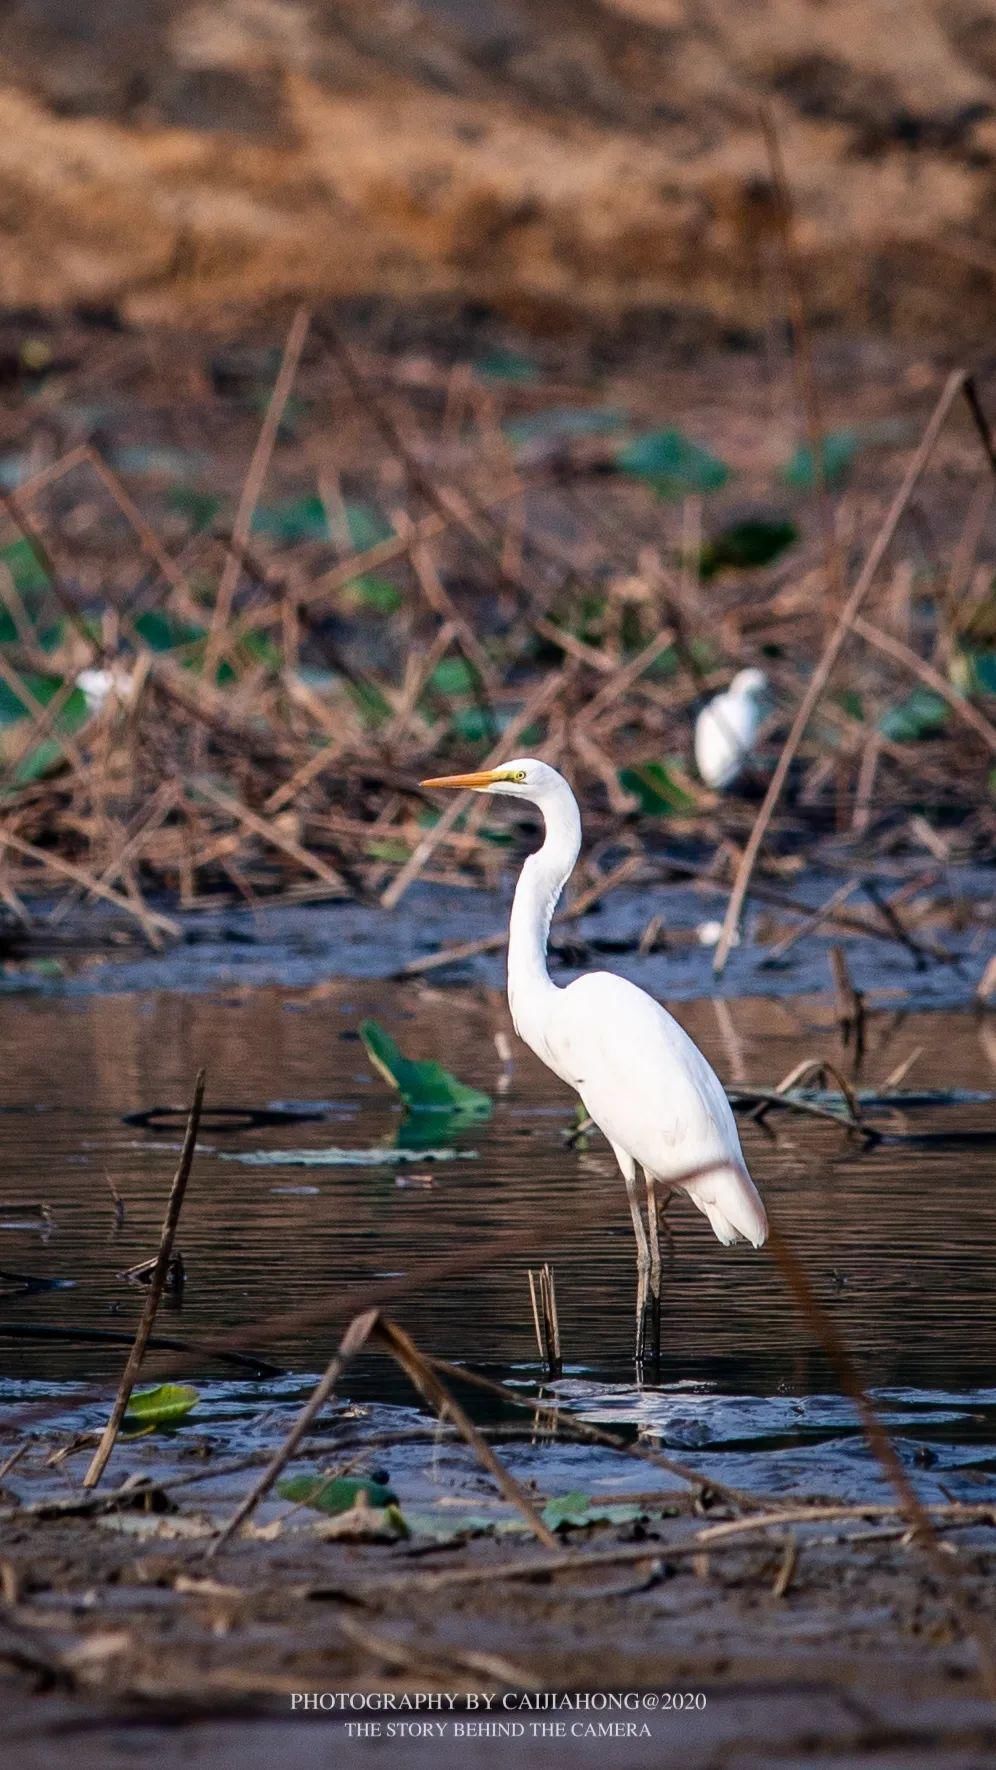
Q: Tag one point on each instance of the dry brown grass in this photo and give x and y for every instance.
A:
(279, 690)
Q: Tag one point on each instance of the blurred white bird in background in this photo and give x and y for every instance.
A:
(100, 686)
(640, 1077)
(727, 727)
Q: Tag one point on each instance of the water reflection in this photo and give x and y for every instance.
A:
(898, 1241)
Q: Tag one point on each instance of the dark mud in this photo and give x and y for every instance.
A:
(298, 946)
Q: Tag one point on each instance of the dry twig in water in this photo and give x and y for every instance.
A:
(157, 1283)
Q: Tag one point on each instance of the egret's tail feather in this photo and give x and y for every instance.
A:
(733, 1206)
(723, 1230)
(741, 1206)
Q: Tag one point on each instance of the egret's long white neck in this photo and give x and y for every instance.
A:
(541, 882)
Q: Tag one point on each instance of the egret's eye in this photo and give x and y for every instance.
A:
(519, 775)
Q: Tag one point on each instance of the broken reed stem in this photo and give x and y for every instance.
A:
(543, 1297)
(272, 834)
(441, 1666)
(809, 924)
(585, 1560)
(48, 1332)
(156, 1287)
(818, 681)
(981, 421)
(11, 502)
(814, 1066)
(950, 1512)
(253, 485)
(537, 1330)
(850, 1003)
(762, 1100)
(807, 388)
(146, 536)
(931, 678)
(42, 720)
(150, 920)
(369, 1326)
(327, 585)
(537, 1566)
(15, 1456)
(356, 1336)
(421, 1371)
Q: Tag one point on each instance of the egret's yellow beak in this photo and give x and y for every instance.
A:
(477, 782)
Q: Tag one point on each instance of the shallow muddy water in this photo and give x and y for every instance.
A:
(898, 1239)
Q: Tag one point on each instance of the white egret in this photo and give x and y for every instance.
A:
(727, 726)
(100, 686)
(640, 1077)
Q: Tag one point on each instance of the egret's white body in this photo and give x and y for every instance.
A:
(640, 1077)
(650, 1090)
(726, 729)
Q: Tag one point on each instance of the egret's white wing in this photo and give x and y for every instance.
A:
(649, 1088)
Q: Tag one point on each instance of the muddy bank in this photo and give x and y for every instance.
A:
(179, 160)
(811, 1641)
(940, 964)
(197, 1666)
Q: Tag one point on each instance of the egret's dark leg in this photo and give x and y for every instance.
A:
(662, 1223)
(642, 1295)
(642, 1268)
(628, 1166)
(653, 1225)
(643, 1254)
